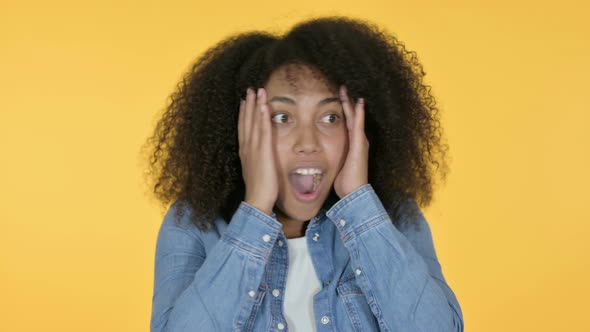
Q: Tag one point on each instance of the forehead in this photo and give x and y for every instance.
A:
(295, 79)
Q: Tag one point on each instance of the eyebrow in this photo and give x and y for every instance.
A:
(287, 100)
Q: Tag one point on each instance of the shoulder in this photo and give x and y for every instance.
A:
(410, 216)
(414, 226)
(180, 219)
(179, 216)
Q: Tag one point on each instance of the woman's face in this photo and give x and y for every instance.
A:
(308, 131)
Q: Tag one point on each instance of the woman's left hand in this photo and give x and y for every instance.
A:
(354, 173)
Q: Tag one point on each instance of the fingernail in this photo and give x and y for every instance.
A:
(362, 100)
(259, 92)
(249, 91)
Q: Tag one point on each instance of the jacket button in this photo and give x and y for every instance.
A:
(325, 320)
(276, 292)
(358, 272)
(281, 326)
(342, 222)
(280, 243)
(252, 293)
(316, 237)
(266, 238)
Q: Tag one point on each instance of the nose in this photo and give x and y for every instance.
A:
(306, 140)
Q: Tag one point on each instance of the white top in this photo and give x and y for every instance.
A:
(302, 284)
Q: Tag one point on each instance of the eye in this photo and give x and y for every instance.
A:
(282, 116)
(333, 118)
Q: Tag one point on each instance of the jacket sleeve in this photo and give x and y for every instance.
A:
(400, 275)
(197, 291)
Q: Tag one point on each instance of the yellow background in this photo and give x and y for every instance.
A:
(82, 83)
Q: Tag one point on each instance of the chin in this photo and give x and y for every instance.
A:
(300, 211)
(302, 214)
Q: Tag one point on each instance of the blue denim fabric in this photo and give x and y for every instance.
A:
(374, 276)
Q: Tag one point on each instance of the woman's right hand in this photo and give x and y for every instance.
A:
(256, 153)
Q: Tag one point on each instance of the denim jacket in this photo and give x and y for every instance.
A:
(374, 276)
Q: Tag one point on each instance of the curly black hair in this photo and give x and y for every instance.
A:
(194, 159)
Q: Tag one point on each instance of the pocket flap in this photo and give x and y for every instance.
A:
(347, 286)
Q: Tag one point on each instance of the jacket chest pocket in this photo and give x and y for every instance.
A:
(250, 316)
(356, 305)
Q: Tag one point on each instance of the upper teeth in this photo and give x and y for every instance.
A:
(308, 171)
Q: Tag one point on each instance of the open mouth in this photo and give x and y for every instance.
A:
(306, 187)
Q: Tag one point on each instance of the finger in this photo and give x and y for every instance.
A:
(248, 114)
(241, 122)
(360, 115)
(257, 117)
(348, 112)
(265, 125)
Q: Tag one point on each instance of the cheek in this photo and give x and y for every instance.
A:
(336, 151)
(337, 138)
(280, 132)
(280, 152)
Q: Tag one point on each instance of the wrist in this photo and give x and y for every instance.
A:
(262, 207)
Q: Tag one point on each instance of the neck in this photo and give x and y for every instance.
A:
(291, 227)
